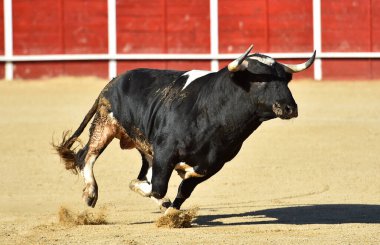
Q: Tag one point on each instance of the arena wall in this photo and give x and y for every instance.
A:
(350, 35)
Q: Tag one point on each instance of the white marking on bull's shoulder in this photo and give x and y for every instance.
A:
(193, 75)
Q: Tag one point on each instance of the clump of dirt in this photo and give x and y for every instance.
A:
(177, 218)
(68, 217)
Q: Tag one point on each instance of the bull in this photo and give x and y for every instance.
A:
(189, 121)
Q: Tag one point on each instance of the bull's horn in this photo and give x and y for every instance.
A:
(236, 64)
(299, 67)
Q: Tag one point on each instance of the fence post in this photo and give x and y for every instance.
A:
(112, 41)
(8, 39)
(214, 34)
(317, 36)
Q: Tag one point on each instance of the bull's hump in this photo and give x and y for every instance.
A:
(194, 75)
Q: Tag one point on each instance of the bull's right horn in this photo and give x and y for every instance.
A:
(235, 65)
(300, 67)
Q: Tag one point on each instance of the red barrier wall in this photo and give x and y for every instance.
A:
(1, 37)
(176, 26)
(60, 27)
(163, 27)
(350, 26)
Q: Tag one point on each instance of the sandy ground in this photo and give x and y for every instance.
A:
(311, 180)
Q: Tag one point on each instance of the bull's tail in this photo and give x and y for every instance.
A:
(71, 158)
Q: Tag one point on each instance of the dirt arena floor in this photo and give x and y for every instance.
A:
(311, 180)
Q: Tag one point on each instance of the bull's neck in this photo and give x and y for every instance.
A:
(230, 104)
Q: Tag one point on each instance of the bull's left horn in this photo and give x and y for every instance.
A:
(299, 67)
(236, 64)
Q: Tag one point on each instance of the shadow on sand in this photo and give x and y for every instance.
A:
(312, 214)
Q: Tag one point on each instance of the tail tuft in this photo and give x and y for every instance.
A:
(68, 155)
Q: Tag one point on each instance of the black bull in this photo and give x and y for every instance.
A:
(192, 122)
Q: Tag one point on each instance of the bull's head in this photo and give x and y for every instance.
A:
(268, 83)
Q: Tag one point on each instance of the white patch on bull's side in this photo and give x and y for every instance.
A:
(193, 75)
(265, 60)
(149, 175)
(189, 171)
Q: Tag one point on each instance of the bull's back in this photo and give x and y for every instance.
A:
(147, 81)
(136, 96)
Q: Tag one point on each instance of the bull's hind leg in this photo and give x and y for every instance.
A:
(102, 132)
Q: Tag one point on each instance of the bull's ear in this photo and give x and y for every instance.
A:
(240, 63)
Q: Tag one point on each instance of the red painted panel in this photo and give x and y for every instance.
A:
(271, 25)
(85, 26)
(346, 26)
(163, 26)
(375, 41)
(187, 26)
(290, 26)
(241, 24)
(375, 67)
(35, 70)
(58, 27)
(37, 27)
(2, 71)
(86, 68)
(140, 27)
(346, 69)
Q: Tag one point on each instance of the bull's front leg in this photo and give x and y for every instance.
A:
(143, 184)
(190, 180)
(184, 191)
(163, 166)
(144, 188)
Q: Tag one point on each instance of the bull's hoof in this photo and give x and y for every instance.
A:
(164, 204)
(90, 195)
(141, 187)
(171, 211)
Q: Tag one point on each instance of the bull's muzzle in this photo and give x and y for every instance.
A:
(285, 111)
